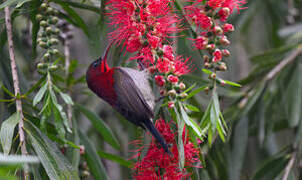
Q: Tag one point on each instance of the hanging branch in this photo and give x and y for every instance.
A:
(16, 85)
(65, 37)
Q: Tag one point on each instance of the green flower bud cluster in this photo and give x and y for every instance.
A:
(49, 31)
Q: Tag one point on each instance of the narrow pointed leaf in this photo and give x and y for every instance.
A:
(95, 164)
(53, 161)
(101, 126)
(40, 94)
(115, 158)
(7, 132)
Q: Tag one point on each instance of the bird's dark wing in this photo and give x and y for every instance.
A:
(131, 102)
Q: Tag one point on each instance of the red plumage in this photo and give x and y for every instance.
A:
(127, 91)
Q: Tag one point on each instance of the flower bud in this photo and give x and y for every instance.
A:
(228, 28)
(207, 65)
(82, 149)
(182, 86)
(42, 44)
(41, 65)
(163, 92)
(222, 67)
(39, 17)
(224, 41)
(206, 90)
(206, 58)
(225, 52)
(217, 55)
(172, 93)
(44, 5)
(171, 105)
(224, 13)
(222, 82)
(218, 30)
(43, 23)
(55, 51)
(56, 31)
(183, 95)
(46, 56)
(49, 10)
(160, 81)
(212, 76)
(210, 47)
(53, 67)
(53, 41)
(54, 20)
(172, 79)
(48, 30)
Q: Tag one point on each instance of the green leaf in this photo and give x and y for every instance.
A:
(115, 158)
(190, 122)
(294, 98)
(180, 144)
(7, 132)
(207, 71)
(67, 99)
(7, 91)
(232, 83)
(40, 94)
(55, 164)
(215, 114)
(190, 88)
(80, 5)
(101, 126)
(194, 92)
(272, 167)
(192, 108)
(75, 17)
(96, 166)
(17, 159)
(10, 2)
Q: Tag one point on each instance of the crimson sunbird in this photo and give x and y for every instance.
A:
(127, 90)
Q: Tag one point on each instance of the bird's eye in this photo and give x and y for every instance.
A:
(95, 64)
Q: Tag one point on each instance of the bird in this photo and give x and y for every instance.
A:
(127, 90)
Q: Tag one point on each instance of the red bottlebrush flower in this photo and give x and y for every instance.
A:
(215, 3)
(224, 13)
(228, 28)
(159, 165)
(163, 65)
(217, 55)
(172, 79)
(200, 42)
(181, 66)
(168, 52)
(133, 44)
(153, 40)
(234, 4)
(160, 81)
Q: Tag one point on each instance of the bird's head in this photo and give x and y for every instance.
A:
(99, 66)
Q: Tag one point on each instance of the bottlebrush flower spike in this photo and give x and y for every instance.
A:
(159, 165)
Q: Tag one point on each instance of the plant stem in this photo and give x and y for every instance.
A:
(293, 55)
(16, 85)
(66, 44)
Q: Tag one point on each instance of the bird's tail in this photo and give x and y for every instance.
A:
(150, 126)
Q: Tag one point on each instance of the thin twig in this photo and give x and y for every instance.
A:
(67, 64)
(283, 63)
(16, 85)
(289, 166)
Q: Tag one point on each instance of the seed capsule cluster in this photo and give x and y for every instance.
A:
(48, 36)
